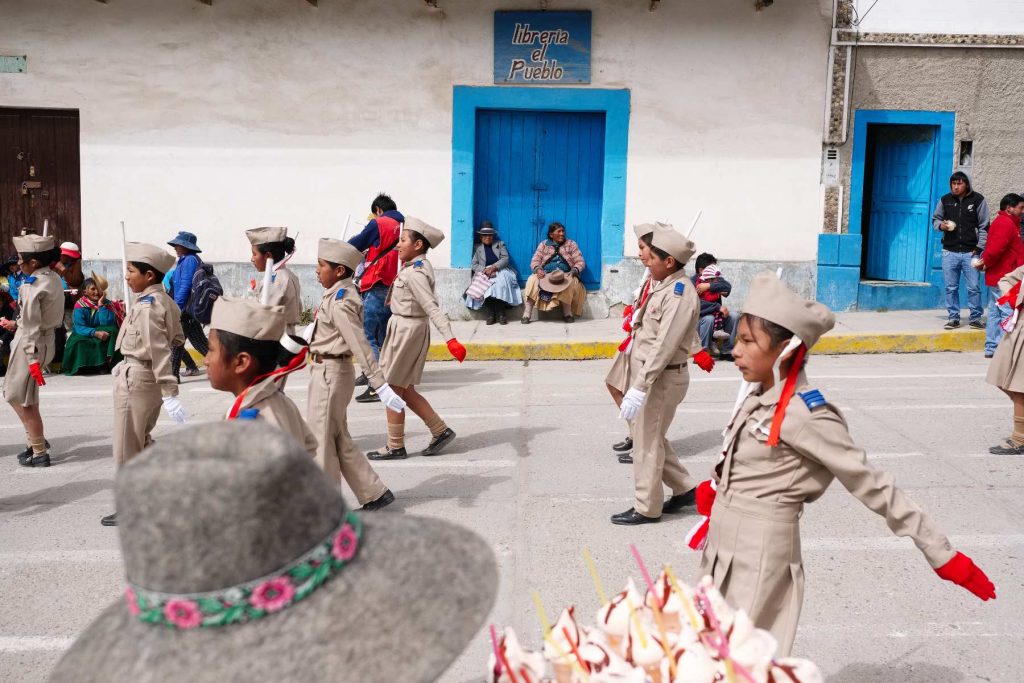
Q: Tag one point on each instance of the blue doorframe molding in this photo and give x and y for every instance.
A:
(465, 102)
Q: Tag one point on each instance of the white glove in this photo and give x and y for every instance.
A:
(174, 408)
(307, 332)
(390, 399)
(631, 404)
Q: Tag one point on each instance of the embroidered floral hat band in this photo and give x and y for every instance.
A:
(257, 598)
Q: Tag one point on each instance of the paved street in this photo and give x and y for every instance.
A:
(532, 470)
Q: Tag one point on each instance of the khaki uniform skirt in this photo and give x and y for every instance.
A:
(1006, 370)
(618, 374)
(405, 350)
(753, 555)
(19, 387)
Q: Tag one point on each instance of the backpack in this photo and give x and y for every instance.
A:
(205, 290)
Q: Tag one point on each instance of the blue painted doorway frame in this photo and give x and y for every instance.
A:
(613, 103)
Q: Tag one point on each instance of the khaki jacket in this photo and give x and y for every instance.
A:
(41, 301)
(665, 332)
(412, 295)
(275, 407)
(814, 448)
(339, 332)
(1008, 281)
(149, 332)
(284, 291)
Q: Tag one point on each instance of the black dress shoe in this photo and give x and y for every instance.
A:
(624, 446)
(625, 458)
(569, 319)
(368, 396)
(361, 380)
(491, 319)
(1007, 448)
(40, 460)
(726, 358)
(631, 518)
(502, 319)
(388, 454)
(386, 498)
(26, 454)
(438, 443)
(109, 520)
(679, 501)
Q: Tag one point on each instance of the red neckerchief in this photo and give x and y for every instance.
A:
(787, 393)
(1010, 297)
(293, 365)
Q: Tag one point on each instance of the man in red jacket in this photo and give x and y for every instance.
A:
(1004, 252)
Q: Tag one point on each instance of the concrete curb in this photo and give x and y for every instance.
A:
(838, 344)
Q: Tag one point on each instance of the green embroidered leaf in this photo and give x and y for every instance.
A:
(301, 572)
(216, 619)
(152, 616)
(254, 613)
(234, 614)
(321, 573)
(211, 605)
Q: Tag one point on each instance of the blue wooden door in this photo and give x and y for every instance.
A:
(900, 211)
(533, 168)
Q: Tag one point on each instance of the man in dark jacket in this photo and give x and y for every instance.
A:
(710, 309)
(1004, 252)
(962, 216)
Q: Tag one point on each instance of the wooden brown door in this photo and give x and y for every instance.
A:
(39, 174)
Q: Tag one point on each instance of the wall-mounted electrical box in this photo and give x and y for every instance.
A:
(830, 167)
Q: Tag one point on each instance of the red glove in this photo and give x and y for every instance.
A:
(37, 373)
(457, 350)
(704, 360)
(962, 571)
(697, 538)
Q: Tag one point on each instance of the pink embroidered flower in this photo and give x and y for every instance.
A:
(273, 594)
(133, 602)
(345, 543)
(183, 613)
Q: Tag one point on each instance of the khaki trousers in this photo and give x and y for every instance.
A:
(331, 385)
(654, 461)
(137, 402)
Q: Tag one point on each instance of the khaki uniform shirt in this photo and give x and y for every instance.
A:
(41, 302)
(814, 448)
(338, 330)
(276, 408)
(412, 295)
(284, 291)
(665, 332)
(149, 332)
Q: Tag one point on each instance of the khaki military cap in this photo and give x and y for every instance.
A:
(772, 300)
(673, 243)
(433, 236)
(646, 229)
(258, 236)
(248, 318)
(149, 254)
(32, 244)
(339, 251)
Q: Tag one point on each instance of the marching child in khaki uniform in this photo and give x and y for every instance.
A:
(412, 302)
(274, 243)
(143, 381)
(780, 453)
(1005, 371)
(664, 338)
(617, 379)
(41, 301)
(247, 343)
(337, 336)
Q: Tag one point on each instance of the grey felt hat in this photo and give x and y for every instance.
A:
(210, 516)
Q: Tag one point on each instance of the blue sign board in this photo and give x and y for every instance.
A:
(542, 47)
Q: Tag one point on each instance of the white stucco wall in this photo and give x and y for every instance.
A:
(940, 16)
(267, 112)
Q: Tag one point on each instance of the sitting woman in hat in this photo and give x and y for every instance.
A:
(555, 282)
(41, 311)
(272, 246)
(95, 322)
(185, 267)
(783, 447)
(490, 257)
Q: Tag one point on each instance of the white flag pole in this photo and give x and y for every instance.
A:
(267, 272)
(46, 227)
(694, 223)
(124, 271)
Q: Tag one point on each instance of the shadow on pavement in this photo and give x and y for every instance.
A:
(518, 437)
(54, 497)
(908, 672)
(456, 485)
(700, 442)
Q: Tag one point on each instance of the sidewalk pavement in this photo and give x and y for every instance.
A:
(857, 332)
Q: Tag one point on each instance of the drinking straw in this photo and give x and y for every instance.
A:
(601, 595)
(694, 621)
(546, 627)
(722, 646)
(575, 651)
(657, 608)
(500, 656)
(636, 623)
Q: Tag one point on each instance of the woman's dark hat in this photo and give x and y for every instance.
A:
(187, 240)
(243, 563)
(486, 228)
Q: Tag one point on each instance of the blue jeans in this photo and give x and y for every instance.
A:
(375, 317)
(954, 264)
(997, 313)
(706, 327)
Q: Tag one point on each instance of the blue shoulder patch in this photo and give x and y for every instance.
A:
(340, 295)
(148, 299)
(29, 280)
(248, 414)
(813, 399)
(679, 288)
(417, 264)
